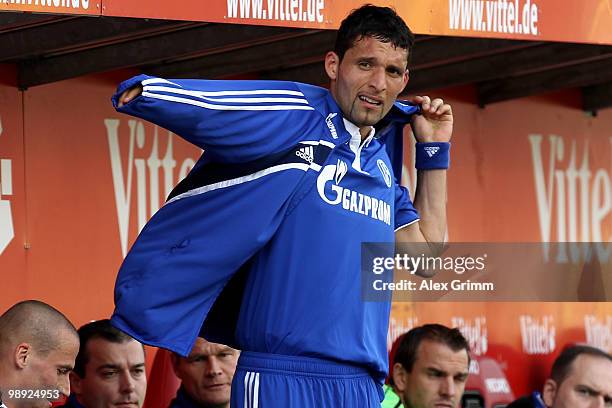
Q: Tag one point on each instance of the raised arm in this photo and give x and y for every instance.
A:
(232, 120)
(432, 130)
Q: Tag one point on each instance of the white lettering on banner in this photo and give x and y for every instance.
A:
(502, 16)
(7, 232)
(65, 4)
(597, 332)
(538, 338)
(399, 327)
(474, 332)
(587, 210)
(152, 164)
(310, 11)
(497, 386)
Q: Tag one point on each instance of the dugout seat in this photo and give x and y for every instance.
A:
(487, 385)
(162, 384)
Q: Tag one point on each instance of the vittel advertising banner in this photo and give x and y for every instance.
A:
(586, 21)
(543, 20)
(85, 7)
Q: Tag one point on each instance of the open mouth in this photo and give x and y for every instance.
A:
(370, 101)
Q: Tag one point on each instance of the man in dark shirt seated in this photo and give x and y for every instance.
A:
(206, 375)
(109, 369)
(37, 349)
(581, 377)
(430, 368)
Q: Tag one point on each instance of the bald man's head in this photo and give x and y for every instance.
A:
(38, 345)
(33, 322)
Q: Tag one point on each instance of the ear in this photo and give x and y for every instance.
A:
(549, 392)
(23, 355)
(400, 378)
(406, 77)
(75, 383)
(332, 63)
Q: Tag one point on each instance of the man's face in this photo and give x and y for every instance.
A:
(437, 378)
(50, 371)
(114, 375)
(207, 372)
(367, 80)
(588, 385)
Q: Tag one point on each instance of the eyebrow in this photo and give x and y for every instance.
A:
(606, 397)
(108, 366)
(445, 373)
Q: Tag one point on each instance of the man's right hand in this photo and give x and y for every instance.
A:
(130, 94)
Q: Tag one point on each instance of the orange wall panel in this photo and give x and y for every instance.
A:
(12, 197)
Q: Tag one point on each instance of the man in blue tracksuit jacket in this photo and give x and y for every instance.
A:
(259, 247)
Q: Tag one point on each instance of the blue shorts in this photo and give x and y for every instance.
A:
(272, 380)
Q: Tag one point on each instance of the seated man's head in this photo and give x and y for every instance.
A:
(580, 377)
(38, 346)
(109, 369)
(430, 367)
(207, 372)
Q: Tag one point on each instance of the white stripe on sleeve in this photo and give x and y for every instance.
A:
(205, 105)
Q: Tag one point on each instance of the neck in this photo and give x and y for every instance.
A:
(365, 131)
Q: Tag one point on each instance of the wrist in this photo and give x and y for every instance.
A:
(432, 155)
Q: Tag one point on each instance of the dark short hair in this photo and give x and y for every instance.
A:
(407, 350)
(381, 23)
(100, 329)
(563, 363)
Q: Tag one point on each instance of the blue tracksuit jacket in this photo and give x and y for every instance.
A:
(259, 247)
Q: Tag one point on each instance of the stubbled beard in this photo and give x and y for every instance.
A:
(369, 116)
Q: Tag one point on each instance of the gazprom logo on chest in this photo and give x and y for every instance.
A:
(350, 200)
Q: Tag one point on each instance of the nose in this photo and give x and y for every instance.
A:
(447, 387)
(127, 384)
(213, 368)
(378, 79)
(64, 386)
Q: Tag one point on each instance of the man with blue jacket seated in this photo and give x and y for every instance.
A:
(206, 375)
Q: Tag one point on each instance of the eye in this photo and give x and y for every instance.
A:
(461, 378)
(108, 374)
(394, 72)
(365, 64)
(585, 392)
(435, 374)
(137, 372)
(63, 371)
